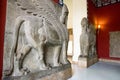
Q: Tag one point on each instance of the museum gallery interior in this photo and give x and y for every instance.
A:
(60, 40)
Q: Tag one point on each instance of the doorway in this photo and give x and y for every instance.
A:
(77, 10)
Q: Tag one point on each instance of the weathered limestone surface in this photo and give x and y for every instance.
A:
(87, 44)
(115, 44)
(36, 38)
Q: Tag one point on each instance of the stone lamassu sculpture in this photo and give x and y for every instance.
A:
(39, 27)
(87, 39)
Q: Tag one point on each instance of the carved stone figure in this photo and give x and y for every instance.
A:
(39, 29)
(87, 39)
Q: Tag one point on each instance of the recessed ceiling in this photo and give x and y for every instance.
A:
(100, 3)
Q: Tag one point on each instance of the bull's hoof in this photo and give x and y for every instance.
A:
(25, 71)
(57, 64)
(65, 62)
(44, 68)
(7, 72)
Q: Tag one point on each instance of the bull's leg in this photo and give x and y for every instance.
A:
(57, 55)
(40, 49)
(86, 51)
(82, 50)
(64, 52)
(93, 50)
(19, 59)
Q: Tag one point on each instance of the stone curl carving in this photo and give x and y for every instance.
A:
(87, 39)
(42, 30)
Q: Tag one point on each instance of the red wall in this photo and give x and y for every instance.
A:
(2, 26)
(109, 19)
(91, 12)
(56, 1)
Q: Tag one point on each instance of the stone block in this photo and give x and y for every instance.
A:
(84, 62)
(57, 73)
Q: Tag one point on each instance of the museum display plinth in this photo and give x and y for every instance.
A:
(85, 62)
(56, 73)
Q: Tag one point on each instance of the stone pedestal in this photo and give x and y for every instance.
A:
(57, 73)
(86, 62)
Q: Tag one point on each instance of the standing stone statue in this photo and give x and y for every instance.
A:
(87, 39)
(88, 54)
(40, 37)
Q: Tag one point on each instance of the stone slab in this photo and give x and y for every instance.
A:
(114, 44)
(35, 38)
(57, 73)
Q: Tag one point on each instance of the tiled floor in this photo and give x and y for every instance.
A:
(98, 71)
